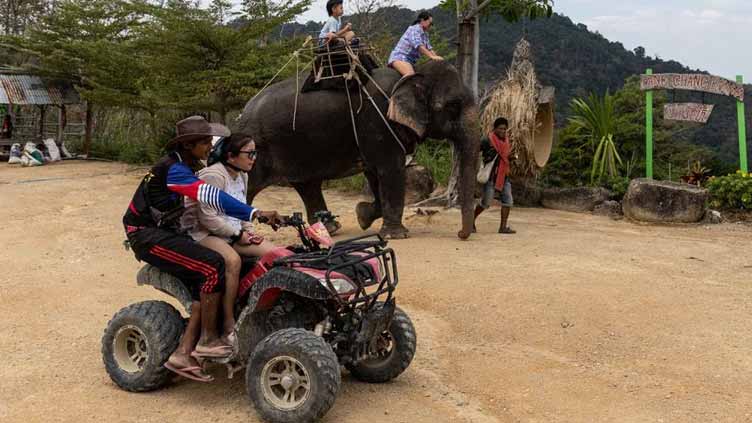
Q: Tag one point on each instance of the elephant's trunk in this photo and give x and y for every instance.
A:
(468, 146)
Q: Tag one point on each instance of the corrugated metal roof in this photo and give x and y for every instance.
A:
(31, 90)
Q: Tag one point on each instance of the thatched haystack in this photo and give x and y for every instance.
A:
(528, 107)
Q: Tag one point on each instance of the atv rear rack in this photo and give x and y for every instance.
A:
(344, 257)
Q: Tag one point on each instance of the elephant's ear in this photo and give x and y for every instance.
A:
(408, 105)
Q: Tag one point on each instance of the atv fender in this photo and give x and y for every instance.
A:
(263, 295)
(165, 282)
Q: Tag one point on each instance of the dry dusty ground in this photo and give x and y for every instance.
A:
(575, 319)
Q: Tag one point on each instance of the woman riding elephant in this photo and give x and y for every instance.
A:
(413, 43)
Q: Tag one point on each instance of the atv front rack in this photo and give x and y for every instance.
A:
(350, 257)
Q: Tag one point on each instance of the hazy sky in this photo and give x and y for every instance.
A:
(712, 35)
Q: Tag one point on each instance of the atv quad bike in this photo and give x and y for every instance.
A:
(302, 311)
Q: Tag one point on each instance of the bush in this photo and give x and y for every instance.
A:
(618, 186)
(731, 191)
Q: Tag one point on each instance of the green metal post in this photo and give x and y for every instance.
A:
(742, 131)
(649, 130)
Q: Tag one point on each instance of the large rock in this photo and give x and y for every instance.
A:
(660, 201)
(526, 192)
(579, 199)
(419, 184)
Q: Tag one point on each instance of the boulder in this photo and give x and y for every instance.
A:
(526, 192)
(579, 199)
(419, 184)
(661, 201)
(609, 208)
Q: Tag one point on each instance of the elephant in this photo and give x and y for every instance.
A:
(323, 144)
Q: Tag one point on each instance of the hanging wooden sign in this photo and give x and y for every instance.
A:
(688, 112)
(692, 82)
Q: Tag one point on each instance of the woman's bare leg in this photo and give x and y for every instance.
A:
(254, 250)
(232, 278)
(406, 69)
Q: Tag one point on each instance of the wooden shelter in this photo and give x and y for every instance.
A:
(39, 109)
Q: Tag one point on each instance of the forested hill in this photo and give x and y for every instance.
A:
(573, 59)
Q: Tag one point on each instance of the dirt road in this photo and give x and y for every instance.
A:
(576, 318)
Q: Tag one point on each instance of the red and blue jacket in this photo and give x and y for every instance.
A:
(158, 201)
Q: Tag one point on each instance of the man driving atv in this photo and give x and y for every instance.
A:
(152, 226)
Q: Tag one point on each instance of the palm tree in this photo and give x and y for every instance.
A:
(594, 121)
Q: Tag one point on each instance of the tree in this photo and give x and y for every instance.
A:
(17, 15)
(196, 63)
(89, 43)
(263, 12)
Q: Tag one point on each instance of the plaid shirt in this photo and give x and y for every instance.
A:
(406, 49)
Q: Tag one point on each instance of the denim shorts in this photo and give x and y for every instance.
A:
(490, 192)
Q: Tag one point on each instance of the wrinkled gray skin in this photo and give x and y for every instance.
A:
(434, 103)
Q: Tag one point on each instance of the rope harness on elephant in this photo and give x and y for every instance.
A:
(355, 65)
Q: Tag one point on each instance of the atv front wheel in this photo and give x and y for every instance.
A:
(395, 351)
(292, 376)
(138, 341)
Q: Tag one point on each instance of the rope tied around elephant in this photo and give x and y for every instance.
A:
(352, 74)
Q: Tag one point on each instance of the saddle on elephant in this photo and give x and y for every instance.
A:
(333, 63)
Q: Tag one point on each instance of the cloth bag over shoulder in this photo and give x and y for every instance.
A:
(484, 172)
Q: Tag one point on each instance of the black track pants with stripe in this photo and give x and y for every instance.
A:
(201, 269)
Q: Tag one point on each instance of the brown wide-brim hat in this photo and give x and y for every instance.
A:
(195, 128)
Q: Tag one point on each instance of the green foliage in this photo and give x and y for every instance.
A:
(88, 42)
(674, 150)
(618, 186)
(436, 156)
(593, 118)
(731, 191)
(129, 136)
(510, 10)
(605, 159)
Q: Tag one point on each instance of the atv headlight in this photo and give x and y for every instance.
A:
(342, 286)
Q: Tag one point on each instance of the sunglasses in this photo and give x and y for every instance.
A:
(251, 154)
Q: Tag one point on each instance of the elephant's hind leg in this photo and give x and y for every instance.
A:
(313, 198)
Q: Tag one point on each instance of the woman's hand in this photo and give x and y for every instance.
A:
(437, 57)
(271, 218)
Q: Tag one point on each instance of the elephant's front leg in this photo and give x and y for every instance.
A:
(313, 198)
(368, 212)
(392, 194)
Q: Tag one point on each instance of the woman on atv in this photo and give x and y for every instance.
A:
(153, 230)
(229, 236)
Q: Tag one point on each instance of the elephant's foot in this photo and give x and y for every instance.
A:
(393, 232)
(464, 235)
(367, 214)
(332, 226)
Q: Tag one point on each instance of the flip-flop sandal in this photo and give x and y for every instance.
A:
(190, 372)
(221, 351)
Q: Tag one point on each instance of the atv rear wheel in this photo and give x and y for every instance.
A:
(396, 349)
(292, 376)
(138, 341)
